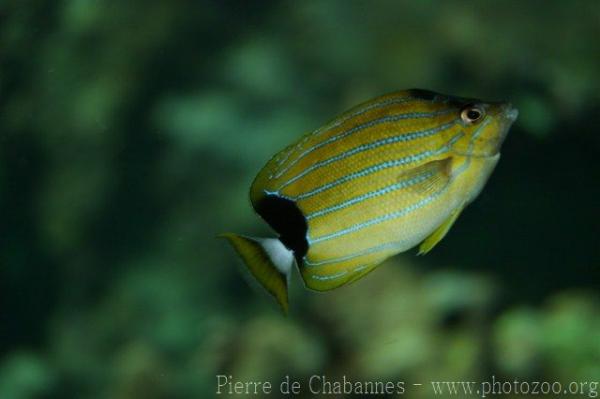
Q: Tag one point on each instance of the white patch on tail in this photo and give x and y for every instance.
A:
(282, 258)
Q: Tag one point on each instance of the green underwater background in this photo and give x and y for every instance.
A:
(130, 133)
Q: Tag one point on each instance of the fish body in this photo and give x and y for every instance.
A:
(386, 176)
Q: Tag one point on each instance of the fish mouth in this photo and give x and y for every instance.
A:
(507, 115)
(510, 113)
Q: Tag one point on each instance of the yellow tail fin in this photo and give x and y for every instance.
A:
(269, 261)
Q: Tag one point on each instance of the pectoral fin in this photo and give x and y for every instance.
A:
(439, 233)
(428, 178)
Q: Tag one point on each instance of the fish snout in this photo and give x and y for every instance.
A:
(506, 115)
(510, 112)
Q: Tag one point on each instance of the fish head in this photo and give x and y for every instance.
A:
(485, 126)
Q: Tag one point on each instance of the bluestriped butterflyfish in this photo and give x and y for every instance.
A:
(388, 175)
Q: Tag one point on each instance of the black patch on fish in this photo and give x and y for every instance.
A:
(287, 220)
(423, 94)
(429, 95)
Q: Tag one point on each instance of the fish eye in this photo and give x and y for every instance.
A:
(471, 114)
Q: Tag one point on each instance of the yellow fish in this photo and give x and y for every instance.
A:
(389, 174)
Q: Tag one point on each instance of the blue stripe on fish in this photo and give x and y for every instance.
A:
(368, 251)
(379, 219)
(337, 122)
(374, 122)
(375, 168)
(381, 104)
(369, 146)
(394, 244)
(376, 193)
(330, 276)
(338, 274)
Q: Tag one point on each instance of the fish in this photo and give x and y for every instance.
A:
(388, 175)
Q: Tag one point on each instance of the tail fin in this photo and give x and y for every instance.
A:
(269, 261)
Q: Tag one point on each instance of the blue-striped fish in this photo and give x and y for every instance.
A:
(389, 174)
